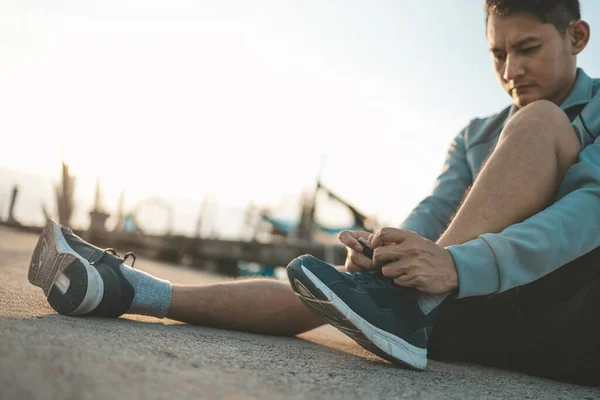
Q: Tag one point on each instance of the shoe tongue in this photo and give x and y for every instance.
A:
(78, 244)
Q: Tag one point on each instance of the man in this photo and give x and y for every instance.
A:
(512, 278)
(533, 206)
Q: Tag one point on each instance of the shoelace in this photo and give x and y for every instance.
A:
(375, 278)
(114, 253)
(370, 278)
(108, 250)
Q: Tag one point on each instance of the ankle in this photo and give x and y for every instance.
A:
(152, 295)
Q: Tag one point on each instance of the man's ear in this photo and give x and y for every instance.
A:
(579, 34)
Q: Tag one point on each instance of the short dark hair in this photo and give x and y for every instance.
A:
(559, 13)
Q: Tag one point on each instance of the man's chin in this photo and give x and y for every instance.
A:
(524, 100)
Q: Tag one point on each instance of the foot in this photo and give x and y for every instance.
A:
(77, 277)
(379, 315)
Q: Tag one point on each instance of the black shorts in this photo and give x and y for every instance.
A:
(548, 328)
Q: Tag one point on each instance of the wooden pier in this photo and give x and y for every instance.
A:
(218, 255)
(211, 254)
(215, 255)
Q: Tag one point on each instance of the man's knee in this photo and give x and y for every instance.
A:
(544, 123)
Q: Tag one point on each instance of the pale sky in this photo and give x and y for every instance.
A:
(241, 99)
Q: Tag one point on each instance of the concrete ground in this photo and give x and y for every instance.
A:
(48, 356)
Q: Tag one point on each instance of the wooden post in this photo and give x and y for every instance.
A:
(98, 216)
(119, 225)
(13, 200)
(64, 196)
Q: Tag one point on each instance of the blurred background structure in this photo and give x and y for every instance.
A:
(211, 120)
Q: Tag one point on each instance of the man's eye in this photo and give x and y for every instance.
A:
(499, 56)
(530, 50)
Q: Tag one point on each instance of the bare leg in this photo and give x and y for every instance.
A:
(253, 305)
(520, 178)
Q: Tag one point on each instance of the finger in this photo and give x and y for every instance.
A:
(351, 268)
(367, 250)
(397, 268)
(354, 234)
(393, 235)
(370, 239)
(390, 253)
(360, 260)
(364, 240)
(408, 281)
(348, 239)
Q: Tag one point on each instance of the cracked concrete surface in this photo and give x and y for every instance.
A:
(48, 356)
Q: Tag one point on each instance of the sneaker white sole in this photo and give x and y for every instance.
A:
(70, 283)
(377, 341)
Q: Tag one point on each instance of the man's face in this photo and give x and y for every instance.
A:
(531, 59)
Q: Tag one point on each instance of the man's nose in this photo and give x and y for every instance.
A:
(513, 68)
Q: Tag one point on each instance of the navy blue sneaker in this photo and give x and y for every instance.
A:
(77, 277)
(378, 314)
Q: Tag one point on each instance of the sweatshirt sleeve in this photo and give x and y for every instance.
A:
(527, 251)
(431, 217)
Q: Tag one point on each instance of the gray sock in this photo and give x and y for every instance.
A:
(152, 295)
(428, 302)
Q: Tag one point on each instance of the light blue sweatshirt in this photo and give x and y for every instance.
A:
(523, 252)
